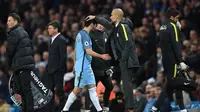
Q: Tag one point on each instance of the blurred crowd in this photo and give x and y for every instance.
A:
(146, 16)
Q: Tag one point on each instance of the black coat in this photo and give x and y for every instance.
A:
(19, 49)
(121, 41)
(99, 45)
(57, 55)
(170, 42)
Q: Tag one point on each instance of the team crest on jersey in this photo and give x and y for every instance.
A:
(86, 43)
(117, 35)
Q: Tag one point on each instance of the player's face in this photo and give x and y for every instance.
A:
(51, 30)
(93, 26)
(175, 19)
(11, 22)
(113, 17)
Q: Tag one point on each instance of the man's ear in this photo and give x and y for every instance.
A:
(15, 21)
(56, 29)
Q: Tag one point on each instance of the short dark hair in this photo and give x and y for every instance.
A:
(55, 24)
(15, 16)
(87, 23)
(171, 12)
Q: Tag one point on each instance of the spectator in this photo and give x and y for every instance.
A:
(4, 107)
(41, 68)
(45, 57)
(70, 64)
(4, 85)
(150, 96)
(140, 100)
(37, 59)
(117, 104)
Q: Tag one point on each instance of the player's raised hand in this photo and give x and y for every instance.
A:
(106, 57)
(90, 17)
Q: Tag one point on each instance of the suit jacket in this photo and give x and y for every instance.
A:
(57, 55)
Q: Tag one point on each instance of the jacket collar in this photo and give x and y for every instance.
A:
(172, 21)
(118, 24)
(17, 25)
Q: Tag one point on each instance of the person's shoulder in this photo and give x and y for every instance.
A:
(19, 32)
(62, 39)
(123, 26)
(83, 33)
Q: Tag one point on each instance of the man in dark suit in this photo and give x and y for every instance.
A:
(56, 63)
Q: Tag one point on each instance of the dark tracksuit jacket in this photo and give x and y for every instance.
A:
(170, 41)
(124, 51)
(99, 45)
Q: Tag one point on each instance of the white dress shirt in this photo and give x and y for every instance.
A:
(54, 37)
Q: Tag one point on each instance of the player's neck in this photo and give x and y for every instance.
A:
(87, 29)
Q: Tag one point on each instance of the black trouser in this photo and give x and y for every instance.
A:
(23, 81)
(55, 80)
(107, 82)
(126, 77)
(170, 72)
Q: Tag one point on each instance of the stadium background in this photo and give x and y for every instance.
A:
(146, 16)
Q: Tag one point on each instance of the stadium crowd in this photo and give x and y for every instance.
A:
(146, 16)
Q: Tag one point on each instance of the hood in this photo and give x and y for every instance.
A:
(128, 22)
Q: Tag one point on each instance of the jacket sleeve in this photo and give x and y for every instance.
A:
(12, 44)
(126, 34)
(141, 105)
(108, 25)
(62, 54)
(175, 42)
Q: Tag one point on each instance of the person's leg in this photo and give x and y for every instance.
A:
(94, 97)
(179, 99)
(27, 96)
(78, 86)
(106, 80)
(50, 84)
(168, 89)
(87, 96)
(87, 101)
(126, 76)
(58, 80)
(18, 87)
(91, 85)
(71, 98)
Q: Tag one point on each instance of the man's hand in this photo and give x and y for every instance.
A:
(105, 57)
(178, 24)
(183, 66)
(90, 17)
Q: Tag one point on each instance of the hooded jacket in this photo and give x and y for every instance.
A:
(121, 42)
